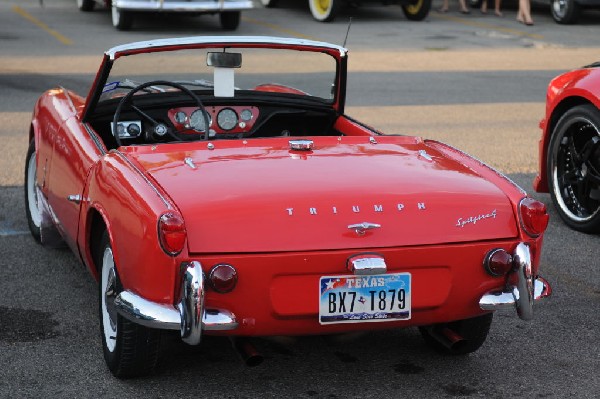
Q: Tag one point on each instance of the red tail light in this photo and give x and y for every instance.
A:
(223, 278)
(498, 262)
(171, 233)
(534, 218)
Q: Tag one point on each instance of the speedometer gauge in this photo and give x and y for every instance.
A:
(227, 119)
(198, 120)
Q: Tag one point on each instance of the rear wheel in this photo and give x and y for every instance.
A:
(564, 12)
(122, 20)
(32, 206)
(86, 5)
(130, 350)
(230, 20)
(417, 10)
(473, 331)
(573, 165)
(324, 10)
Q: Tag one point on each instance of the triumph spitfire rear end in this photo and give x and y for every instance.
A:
(209, 200)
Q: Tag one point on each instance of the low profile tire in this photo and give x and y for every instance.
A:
(417, 10)
(324, 10)
(230, 20)
(32, 206)
(122, 20)
(565, 12)
(474, 332)
(86, 5)
(130, 350)
(269, 3)
(573, 165)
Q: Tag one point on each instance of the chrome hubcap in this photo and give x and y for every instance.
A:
(559, 7)
(109, 293)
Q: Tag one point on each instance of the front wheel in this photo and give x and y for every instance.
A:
(122, 20)
(324, 10)
(473, 332)
(564, 12)
(230, 20)
(417, 10)
(130, 350)
(33, 211)
(573, 167)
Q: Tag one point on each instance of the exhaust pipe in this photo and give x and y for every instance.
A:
(449, 338)
(247, 351)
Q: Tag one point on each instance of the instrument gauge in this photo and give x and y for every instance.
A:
(198, 120)
(246, 115)
(227, 119)
(181, 117)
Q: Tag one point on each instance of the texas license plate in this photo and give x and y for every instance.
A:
(356, 299)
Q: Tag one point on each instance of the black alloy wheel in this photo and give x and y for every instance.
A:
(573, 167)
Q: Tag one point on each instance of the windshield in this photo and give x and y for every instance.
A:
(266, 70)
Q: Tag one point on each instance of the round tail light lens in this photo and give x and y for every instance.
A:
(498, 262)
(171, 233)
(223, 278)
(534, 218)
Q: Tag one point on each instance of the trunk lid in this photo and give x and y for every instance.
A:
(260, 196)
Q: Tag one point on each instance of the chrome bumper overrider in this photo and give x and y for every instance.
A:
(183, 6)
(527, 290)
(189, 316)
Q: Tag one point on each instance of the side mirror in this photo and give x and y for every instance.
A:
(224, 60)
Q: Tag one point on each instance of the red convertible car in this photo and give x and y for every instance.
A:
(207, 199)
(570, 148)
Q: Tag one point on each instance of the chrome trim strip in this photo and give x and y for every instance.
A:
(95, 139)
(219, 40)
(189, 316)
(158, 193)
(522, 295)
(184, 6)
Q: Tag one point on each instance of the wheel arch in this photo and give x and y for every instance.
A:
(559, 110)
(96, 226)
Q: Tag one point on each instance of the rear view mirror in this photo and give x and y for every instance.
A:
(224, 60)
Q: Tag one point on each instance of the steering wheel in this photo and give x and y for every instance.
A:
(158, 128)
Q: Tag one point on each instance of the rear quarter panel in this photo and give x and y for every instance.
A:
(130, 206)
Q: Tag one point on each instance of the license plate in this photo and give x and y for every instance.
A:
(357, 299)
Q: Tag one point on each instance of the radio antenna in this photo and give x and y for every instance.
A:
(348, 31)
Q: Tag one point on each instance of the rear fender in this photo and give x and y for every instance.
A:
(129, 208)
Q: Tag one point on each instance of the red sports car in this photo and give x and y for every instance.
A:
(207, 199)
(570, 148)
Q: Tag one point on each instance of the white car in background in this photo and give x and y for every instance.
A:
(123, 11)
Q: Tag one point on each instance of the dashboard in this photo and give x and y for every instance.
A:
(221, 119)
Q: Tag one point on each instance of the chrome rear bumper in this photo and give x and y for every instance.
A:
(189, 316)
(527, 290)
(184, 6)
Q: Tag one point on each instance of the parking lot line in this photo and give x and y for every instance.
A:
(64, 40)
(484, 25)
